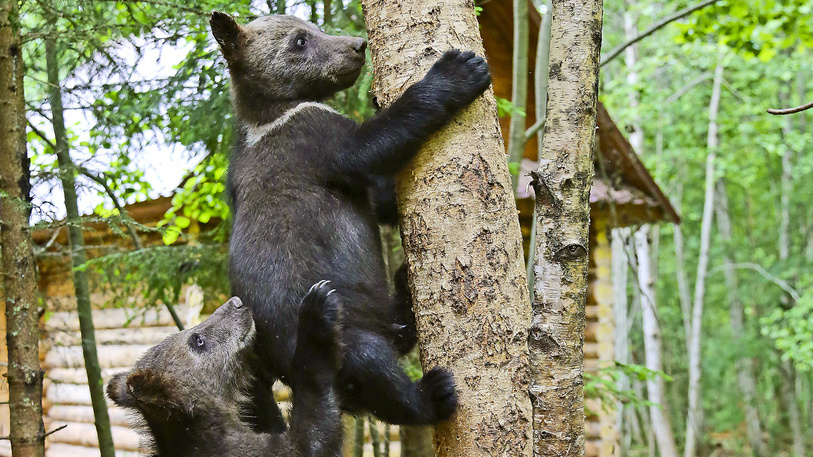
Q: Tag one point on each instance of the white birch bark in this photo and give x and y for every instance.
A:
(693, 419)
(562, 184)
(658, 412)
(620, 308)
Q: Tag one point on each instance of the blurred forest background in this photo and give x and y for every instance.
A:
(135, 97)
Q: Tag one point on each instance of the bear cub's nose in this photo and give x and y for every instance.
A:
(360, 45)
(236, 302)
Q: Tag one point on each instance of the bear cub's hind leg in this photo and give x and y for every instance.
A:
(371, 379)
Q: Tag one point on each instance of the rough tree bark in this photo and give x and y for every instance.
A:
(693, 419)
(461, 235)
(519, 86)
(67, 174)
(745, 365)
(562, 185)
(24, 375)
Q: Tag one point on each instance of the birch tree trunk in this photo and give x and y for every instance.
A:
(24, 375)
(461, 236)
(658, 411)
(745, 365)
(693, 419)
(541, 102)
(519, 86)
(621, 338)
(76, 238)
(562, 185)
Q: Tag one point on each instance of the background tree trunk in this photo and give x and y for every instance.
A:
(519, 86)
(562, 185)
(541, 102)
(67, 172)
(745, 365)
(24, 375)
(693, 419)
(621, 337)
(659, 410)
(461, 236)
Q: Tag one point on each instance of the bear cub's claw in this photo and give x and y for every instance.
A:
(439, 385)
(464, 74)
(320, 311)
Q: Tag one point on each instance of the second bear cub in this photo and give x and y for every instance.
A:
(188, 390)
(306, 185)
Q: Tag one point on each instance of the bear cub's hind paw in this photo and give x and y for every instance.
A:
(438, 384)
(320, 311)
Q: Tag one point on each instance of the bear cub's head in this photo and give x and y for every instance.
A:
(198, 372)
(286, 58)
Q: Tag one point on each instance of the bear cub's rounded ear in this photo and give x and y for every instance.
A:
(118, 392)
(228, 34)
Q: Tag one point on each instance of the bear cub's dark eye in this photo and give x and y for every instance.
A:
(301, 42)
(197, 342)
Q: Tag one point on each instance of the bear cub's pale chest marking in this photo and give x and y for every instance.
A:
(255, 133)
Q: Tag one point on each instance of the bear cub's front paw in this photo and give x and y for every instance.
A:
(463, 76)
(319, 313)
(438, 384)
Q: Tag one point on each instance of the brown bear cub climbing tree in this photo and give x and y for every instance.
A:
(308, 188)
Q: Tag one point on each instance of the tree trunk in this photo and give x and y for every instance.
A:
(24, 375)
(562, 185)
(658, 411)
(461, 236)
(693, 420)
(787, 375)
(621, 337)
(745, 365)
(519, 86)
(67, 171)
(541, 102)
(327, 6)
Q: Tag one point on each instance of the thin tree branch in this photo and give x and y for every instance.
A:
(798, 109)
(762, 271)
(533, 129)
(55, 430)
(687, 87)
(662, 23)
(39, 133)
(125, 216)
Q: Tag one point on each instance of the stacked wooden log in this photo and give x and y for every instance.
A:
(122, 335)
